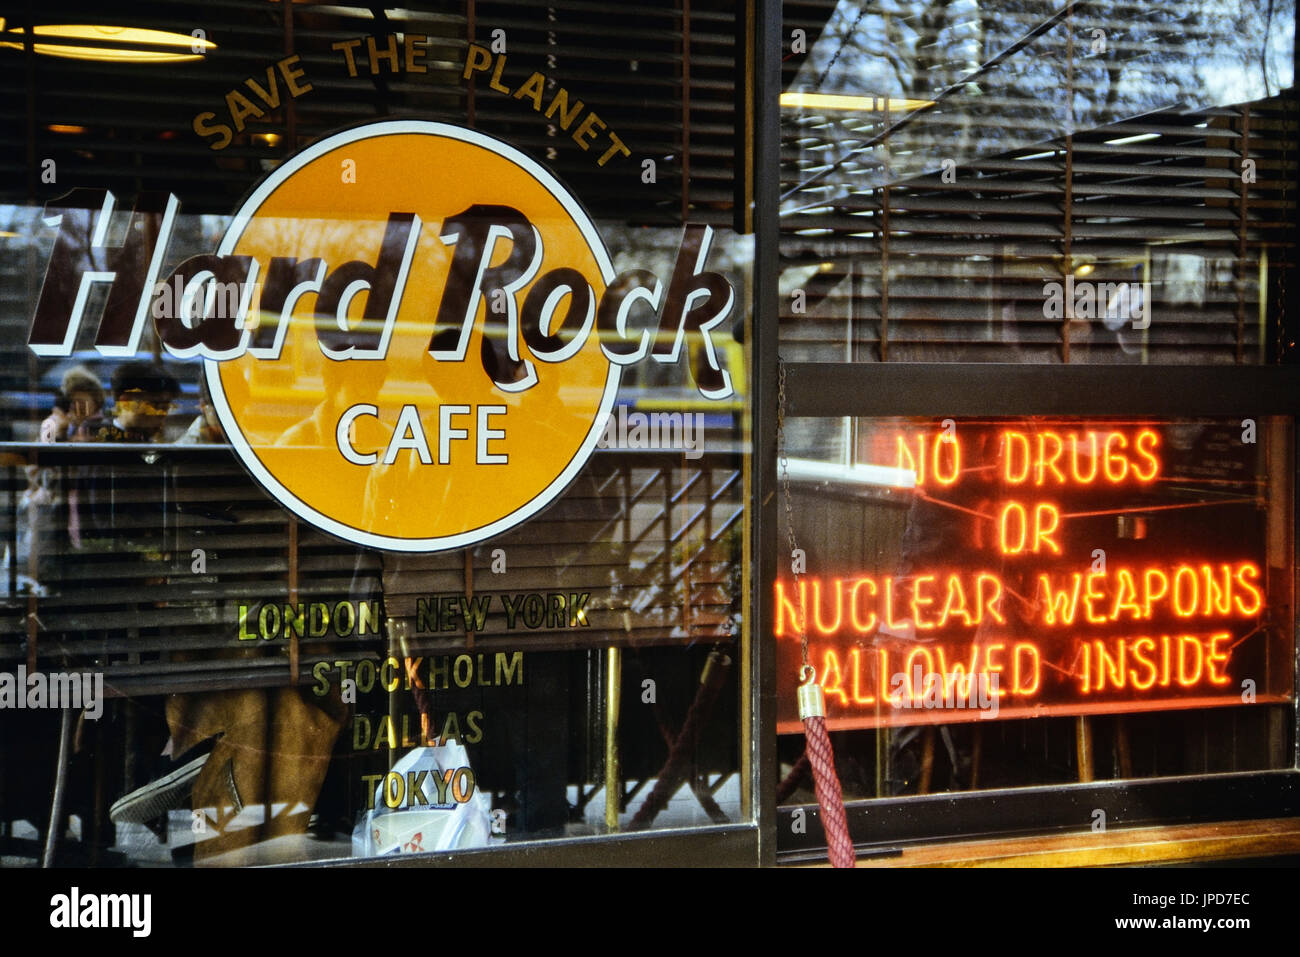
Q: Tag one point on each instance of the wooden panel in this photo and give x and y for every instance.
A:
(1120, 847)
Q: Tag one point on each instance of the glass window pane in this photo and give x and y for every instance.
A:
(373, 430)
(1010, 582)
(1034, 182)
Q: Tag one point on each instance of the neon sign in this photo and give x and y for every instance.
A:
(1073, 568)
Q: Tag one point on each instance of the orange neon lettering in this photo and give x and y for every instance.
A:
(1141, 659)
(1087, 669)
(858, 625)
(1126, 596)
(1017, 650)
(991, 667)
(1059, 605)
(1108, 665)
(785, 608)
(915, 693)
(1004, 540)
(1108, 458)
(939, 442)
(1165, 671)
(1152, 595)
(1218, 595)
(1013, 528)
(1045, 462)
(1215, 658)
(955, 603)
(907, 462)
(960, 675)
(1184, 642)
(919, 603)
(1248, 569)
(890, 622)
(1091, 457)
(988, 604)
(894, 696)
(855, 659)
(1014, 472)
(882, 671)
(817, 607)
(1147, 438)
(1090, 595)
(1047, 518)
(1184, 609)
(832, 679)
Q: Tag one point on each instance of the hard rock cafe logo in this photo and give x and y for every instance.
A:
(454, 303)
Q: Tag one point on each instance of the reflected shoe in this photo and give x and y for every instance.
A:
(158, 797)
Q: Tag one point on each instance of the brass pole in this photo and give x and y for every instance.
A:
(882, 735)
(1122, 751)
(1083, 743)
(927, 760)
(613, 785)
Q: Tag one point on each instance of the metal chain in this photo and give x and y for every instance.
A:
(812, 710)
(821, 80)
(789, 509)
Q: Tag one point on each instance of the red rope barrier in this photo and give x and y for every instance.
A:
(839, 847)
(791, 782)
(812, 701)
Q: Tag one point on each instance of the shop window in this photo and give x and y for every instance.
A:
(1048, 585)
(295, 658)
(974, 198)
(1104, 187)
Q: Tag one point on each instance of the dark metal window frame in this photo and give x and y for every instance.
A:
(886, 389)
(757, 160)
(973, 389)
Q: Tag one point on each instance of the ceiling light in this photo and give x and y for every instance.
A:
(1125, 140)
(806, 470)
(839, 101)
(126, 44)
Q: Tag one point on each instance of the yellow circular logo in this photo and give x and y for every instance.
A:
(423, 369)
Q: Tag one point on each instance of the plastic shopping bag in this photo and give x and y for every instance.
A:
(429, 801)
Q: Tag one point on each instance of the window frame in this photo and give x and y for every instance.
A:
(956, 389)
(992, 389)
